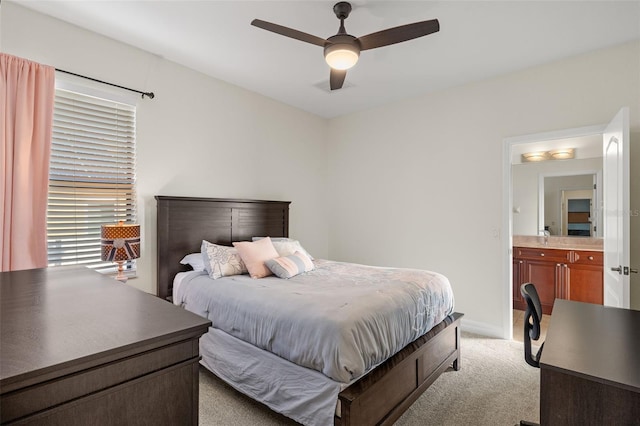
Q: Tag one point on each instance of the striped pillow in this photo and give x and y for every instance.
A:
(290, 266)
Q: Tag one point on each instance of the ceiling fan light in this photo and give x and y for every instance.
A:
(341, 56)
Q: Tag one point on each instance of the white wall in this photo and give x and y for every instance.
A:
(418, 183)
(198, 137)
(526, 179)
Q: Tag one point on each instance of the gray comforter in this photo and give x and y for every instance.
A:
(341, 319)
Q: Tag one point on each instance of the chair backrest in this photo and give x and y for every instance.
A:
(532, 318)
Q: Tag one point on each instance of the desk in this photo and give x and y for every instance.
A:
(79, 348)
(590, 366)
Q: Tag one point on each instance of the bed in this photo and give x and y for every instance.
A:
(380, 396)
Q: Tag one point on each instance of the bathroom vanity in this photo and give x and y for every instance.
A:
(564, 268)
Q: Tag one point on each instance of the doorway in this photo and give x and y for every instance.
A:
(577, 210)
(514, 148)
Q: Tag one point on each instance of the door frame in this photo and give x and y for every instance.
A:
(507, 209)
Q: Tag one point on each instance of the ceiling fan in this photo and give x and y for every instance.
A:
(342, 50)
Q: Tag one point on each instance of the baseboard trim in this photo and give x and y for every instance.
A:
(482, 328)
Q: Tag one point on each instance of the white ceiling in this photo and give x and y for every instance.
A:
(477, 40)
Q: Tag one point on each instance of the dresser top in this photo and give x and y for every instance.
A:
(55, 321)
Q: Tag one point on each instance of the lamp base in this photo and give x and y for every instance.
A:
(121, 276)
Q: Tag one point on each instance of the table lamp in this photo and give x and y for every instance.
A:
(120, 243)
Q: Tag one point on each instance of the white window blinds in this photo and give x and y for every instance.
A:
(91, 178)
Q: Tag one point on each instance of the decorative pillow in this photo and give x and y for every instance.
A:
(254, 254)
(194, 260)
(221, 261)
(286, 246)
(290, 266)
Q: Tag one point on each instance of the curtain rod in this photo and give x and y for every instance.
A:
(150, 95)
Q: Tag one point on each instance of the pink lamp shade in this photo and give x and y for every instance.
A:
(120, 243)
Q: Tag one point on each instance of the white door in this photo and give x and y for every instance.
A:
(616, 210)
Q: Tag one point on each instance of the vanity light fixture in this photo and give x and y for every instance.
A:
(556, 154)
(562, 154)
(535, 156)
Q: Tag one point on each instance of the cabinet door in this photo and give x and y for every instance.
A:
(518, 300)
(585, 283)
(547, 277)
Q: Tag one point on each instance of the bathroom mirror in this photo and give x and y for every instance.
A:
(570, 205)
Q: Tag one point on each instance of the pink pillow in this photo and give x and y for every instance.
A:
(254, 254)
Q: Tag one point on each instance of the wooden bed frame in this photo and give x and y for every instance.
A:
(378, 398)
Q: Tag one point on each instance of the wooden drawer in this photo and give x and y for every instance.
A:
(552, 255)
(165, 397)
(595, 258)
(51, 393)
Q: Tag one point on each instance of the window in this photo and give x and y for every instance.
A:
(91, 178)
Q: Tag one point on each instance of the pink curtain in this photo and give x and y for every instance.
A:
(26, 114)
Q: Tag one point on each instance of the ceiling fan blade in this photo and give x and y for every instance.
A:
(336, 78)
(288, 32)
(399, 34)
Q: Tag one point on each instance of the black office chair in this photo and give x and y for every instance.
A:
(532, 318)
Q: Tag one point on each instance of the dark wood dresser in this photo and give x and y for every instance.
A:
(80, 348)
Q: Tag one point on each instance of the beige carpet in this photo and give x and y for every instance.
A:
(494, 387)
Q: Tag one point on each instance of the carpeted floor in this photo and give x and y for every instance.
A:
(494, 387)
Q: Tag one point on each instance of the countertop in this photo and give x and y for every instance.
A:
(562, 243)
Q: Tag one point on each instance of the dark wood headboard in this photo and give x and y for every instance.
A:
(183, 222)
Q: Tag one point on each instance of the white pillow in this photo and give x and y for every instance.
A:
(221, 261)
(194, 260)
(286, 246)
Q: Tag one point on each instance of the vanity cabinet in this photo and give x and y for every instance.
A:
(546, 269)
(585, 277)
(557, 274)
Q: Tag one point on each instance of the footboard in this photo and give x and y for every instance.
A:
(386, 392)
